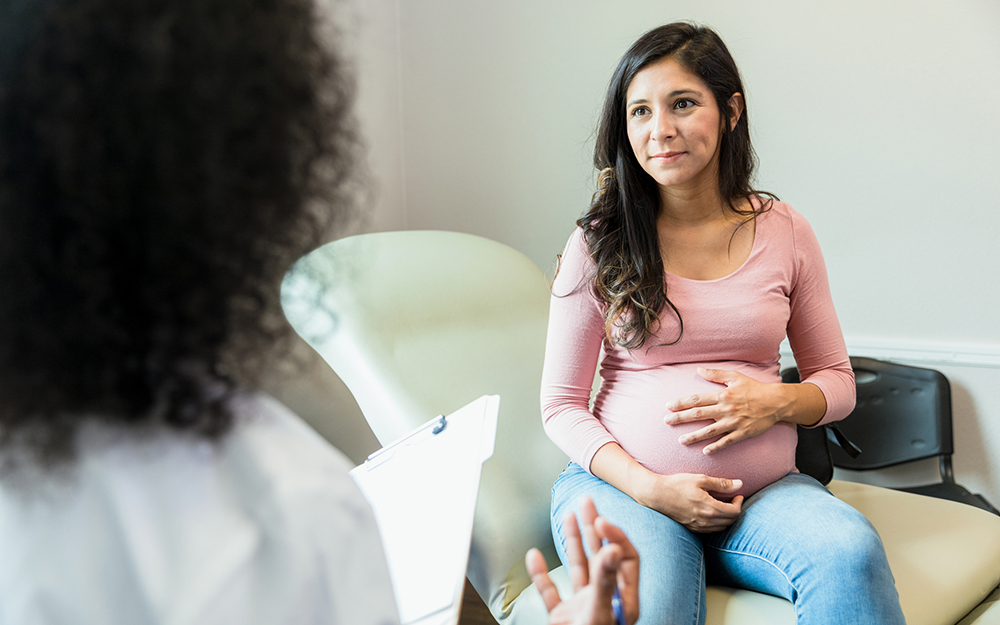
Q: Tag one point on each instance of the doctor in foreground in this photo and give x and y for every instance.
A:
(162, 163)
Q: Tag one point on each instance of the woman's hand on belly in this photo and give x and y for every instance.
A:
(744, 409)
(684, 497)
(687, 498)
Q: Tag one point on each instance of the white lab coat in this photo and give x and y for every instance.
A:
(265, 527)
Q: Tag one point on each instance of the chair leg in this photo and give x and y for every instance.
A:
(986, 505)
(947, 472)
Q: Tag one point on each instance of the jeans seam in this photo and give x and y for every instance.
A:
(701, 599)
(762, 559)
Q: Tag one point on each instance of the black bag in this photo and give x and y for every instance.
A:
(812, 454)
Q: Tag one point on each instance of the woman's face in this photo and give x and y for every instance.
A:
(674, 126)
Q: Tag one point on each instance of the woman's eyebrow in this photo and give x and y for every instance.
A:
(672, 94)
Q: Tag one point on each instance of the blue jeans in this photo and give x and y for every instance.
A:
(793, 539)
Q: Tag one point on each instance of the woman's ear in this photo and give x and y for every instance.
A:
(736, 109)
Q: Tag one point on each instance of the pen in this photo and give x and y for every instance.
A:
(616, 600)
(616, 607)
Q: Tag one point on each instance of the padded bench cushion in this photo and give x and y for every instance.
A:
(945, 557)
(986, 613)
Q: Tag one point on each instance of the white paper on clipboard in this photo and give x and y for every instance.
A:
(423, 490)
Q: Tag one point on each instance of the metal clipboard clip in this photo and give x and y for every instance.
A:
(435, 425)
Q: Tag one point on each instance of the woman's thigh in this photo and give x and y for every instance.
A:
(796, 540)
(671, 564)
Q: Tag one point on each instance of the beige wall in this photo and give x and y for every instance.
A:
(876, 119)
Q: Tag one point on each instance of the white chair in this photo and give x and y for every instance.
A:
(420, 323)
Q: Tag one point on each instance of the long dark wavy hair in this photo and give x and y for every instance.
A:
(162, 163)
(619, 227)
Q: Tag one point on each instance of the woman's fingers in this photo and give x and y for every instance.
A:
(693, 401)
(718, 376)
(717, 428)
(731, 429)
(715, 523)
(706, 513)
(726, 441)
(726, 434)
(721, 376)
(722, 485)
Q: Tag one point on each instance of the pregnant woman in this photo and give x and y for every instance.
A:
(681, 281)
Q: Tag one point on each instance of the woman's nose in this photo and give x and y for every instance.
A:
(663, 127)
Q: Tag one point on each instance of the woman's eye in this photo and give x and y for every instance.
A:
(684, 104)
(639, 111)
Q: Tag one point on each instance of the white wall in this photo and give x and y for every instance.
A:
(878, 120)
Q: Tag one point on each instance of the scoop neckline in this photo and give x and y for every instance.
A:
(753, 250)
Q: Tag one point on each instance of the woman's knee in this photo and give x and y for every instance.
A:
(853, 577)
(847, 547)
(860, 554)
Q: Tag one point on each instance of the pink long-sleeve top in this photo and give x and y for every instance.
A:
(733, 323)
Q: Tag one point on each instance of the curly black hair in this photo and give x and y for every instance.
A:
(162, 163)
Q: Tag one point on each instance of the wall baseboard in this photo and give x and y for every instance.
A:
(952, 354)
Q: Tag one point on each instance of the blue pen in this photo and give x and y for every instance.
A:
(616, 601)
(616, 607)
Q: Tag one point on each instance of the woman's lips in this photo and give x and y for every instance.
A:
(667, 157)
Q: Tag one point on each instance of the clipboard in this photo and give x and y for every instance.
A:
(423, 490)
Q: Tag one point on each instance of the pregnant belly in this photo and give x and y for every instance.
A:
(633, 413)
